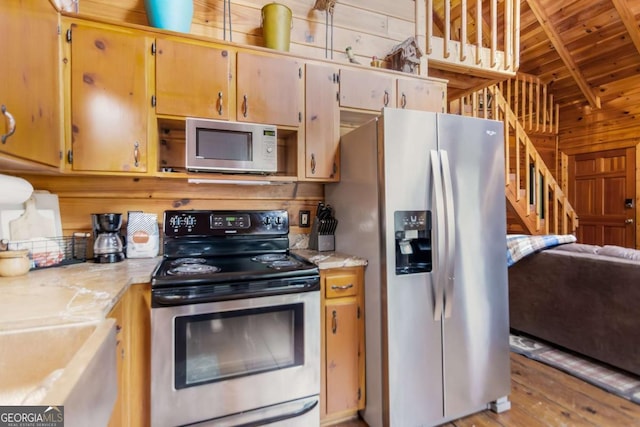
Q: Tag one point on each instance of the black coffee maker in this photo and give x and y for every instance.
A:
(107, 244)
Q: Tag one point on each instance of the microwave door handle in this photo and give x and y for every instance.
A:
(438, 273)
(449, 277)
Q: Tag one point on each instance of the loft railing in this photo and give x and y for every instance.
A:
(479, 36)
(533, 194)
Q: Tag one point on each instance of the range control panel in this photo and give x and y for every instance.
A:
(221, 223)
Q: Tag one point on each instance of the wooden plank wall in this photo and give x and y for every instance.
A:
(80, 197)
(370, 27)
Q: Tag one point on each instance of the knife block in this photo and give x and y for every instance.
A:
(321, 242)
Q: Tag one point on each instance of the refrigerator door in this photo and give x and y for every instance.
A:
(476, 324)
(412, 362)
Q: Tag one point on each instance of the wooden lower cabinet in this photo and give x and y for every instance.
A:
(342, 359)
(133, 347)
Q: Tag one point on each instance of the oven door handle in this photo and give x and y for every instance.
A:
(281, 417)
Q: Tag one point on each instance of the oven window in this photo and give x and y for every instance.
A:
(223, 145)
(219, 346)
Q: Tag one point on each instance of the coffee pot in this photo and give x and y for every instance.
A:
(107, 246)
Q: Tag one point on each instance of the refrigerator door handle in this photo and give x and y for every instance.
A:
(438, 273)
(449, 279)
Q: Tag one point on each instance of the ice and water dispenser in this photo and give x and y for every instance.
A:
(413, 241)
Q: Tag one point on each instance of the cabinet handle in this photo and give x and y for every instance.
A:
(343, 287)
(11, 125)
(245, 106)
(403, 100)
(313, 163)
(136, 154)
(220, 103)
(386, 98)
(334, 322)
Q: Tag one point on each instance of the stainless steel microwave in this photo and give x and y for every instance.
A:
(233, 147)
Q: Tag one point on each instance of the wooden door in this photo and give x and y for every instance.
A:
(366, 90)
(29, 81)
(192, 80)
(416, 94)
(109, 101)
(602, 188)
(322, 124)
(342, 355)
(270, 90)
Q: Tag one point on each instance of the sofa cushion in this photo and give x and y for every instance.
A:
(582, 248)
(620, 252)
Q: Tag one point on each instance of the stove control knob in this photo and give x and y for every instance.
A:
(267, 221)
(279, 221)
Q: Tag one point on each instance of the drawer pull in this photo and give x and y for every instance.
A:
(334, 322)
(342, 287)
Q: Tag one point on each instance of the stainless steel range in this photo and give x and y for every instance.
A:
(235, 323)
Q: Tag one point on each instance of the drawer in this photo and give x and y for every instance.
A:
(341, 285)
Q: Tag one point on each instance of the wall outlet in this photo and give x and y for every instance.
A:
(304, 218)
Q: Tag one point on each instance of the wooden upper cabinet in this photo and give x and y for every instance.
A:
(425, 95)
(109, 99)
(192, 80)
(269, 89)
(322, 123)
(29, 81)
(366, 89)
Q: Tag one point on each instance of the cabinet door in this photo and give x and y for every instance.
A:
(109, 101)
(366, 90)
(121, 408)
(342, 365)
(192, 80)
(269, 90)
(417, 94)
(29, 81)
(322, 123)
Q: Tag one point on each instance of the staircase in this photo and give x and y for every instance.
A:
(536, 203)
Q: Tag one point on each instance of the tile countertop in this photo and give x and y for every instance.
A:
(68, 294)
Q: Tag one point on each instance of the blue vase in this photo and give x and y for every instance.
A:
(172, 15)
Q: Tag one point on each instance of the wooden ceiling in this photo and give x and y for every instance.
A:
(587, 51)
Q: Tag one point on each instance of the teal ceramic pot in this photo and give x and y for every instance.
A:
(174, 15)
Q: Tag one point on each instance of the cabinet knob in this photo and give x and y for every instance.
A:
(11, 123)
(403, 101)
(386, 98)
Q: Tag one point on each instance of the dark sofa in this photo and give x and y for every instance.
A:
(582, 297)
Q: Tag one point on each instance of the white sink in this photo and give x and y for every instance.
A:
(71, 365)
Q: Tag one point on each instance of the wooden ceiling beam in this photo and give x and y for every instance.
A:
(554, 37)
(629, 21)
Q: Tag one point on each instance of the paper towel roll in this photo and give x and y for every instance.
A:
(14, 190)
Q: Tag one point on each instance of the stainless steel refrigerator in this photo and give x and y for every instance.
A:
(421, 197)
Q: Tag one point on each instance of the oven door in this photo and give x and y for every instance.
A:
(216, 360)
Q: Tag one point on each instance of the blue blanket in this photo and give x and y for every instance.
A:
(521, 245)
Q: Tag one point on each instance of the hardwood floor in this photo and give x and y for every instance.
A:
(544, 396)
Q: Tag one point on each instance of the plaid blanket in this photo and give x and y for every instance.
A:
(521, 245)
